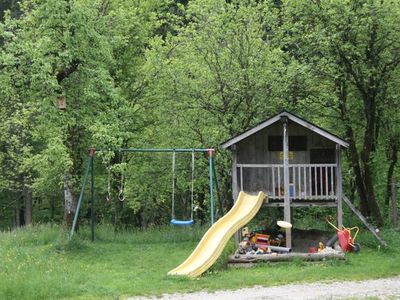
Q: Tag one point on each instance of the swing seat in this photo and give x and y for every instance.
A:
(182, 223)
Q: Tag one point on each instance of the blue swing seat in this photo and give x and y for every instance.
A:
(182, 223)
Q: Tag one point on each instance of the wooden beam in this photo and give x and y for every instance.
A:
(362, 218)
(235, 187)
(301, 203)
(245, 259)
(339, 186)
(287, 217)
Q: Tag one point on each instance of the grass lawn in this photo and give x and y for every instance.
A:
(38, 263)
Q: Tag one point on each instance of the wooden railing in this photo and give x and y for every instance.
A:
(306, 181)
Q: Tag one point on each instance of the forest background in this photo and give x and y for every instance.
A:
(187, 74)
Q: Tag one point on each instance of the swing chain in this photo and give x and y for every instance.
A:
(173, 184)
(121, 194)
(192, 188)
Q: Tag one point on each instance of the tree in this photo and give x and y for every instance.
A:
(217, 75)
(88, 53)
(352, 46)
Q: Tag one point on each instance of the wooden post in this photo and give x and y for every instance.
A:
(92, 153)
(339, 192)
(393, 200)
(371, 228)
(235, 187)
(210, 171)
(286, 180)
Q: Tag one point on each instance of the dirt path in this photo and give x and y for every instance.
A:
(388, 288)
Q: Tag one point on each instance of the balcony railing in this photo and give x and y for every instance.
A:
(306, 181)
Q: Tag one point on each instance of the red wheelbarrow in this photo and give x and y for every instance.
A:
(346, 240)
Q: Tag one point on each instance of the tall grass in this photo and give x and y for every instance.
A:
(32, 236)
(152, 235)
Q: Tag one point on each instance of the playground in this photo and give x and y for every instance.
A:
(297, 164)
(99, 262)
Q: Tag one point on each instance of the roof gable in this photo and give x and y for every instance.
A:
(291, 117)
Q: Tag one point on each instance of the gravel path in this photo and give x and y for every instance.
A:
(388, 288)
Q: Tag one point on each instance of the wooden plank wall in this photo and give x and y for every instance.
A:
(254, 150)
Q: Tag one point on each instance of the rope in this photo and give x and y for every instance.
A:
(192, 189)
(173, 185)
(121, 195)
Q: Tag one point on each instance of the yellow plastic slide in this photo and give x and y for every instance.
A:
(213, 242)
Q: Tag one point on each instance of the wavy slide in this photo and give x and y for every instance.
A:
(217, 236)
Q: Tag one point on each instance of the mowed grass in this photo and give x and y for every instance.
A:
(39, 263)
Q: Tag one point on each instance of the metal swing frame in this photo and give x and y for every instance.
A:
(90, 169)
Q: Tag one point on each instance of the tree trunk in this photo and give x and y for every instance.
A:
(393, 161)
(393, 201)
(355, 164)
(17, 216)
(52, 208)
(143, 219)
(69, 202)
(243, 258)
(74, 137)
(368, 148)
(28, 205)
(369, 87)
(370, 193)
(341, 92)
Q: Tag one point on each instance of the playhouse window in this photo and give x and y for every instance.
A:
(322, 156)
(296, 143)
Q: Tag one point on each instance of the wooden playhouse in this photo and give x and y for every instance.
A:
(294, 162)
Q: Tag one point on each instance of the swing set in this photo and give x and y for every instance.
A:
(174, 221)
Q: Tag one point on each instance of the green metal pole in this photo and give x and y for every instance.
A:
(156, 150)
(210, 170)
(92, 196)
(80, 198)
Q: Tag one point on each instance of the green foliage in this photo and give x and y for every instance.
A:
(176, 74)
(91, 53)
(217, 70)
(349, 51)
